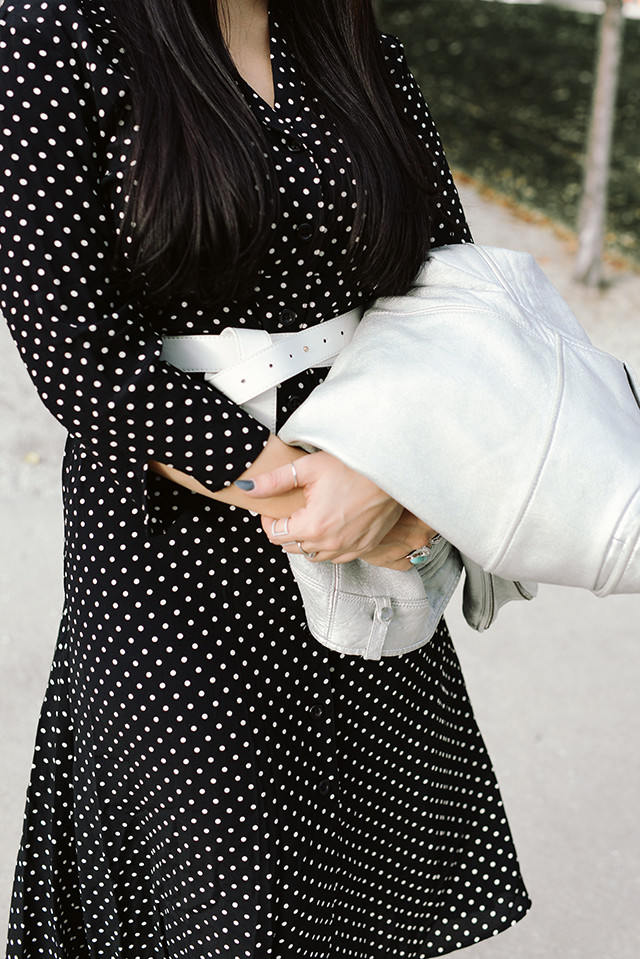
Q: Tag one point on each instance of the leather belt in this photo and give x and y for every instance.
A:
(248, 365)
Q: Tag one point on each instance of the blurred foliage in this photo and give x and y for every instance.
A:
(510, 87)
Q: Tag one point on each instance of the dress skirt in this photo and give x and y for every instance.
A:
(210, 781)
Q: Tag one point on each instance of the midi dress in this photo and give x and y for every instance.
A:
(209, 780)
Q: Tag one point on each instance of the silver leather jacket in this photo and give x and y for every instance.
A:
(478, 402)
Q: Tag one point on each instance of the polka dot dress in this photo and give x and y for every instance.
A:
(208, 780)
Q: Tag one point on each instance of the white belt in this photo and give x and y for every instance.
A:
(248, 365)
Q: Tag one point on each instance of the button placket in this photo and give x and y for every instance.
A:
(287, 316)
(305, 230)
(324, 787)
(320, 724)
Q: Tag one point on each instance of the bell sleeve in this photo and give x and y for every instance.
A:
(448, 222)
(92, 353)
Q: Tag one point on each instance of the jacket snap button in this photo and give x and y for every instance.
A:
(305, 231)
(317, 711)
(324, 787)
(287, 317)
(386, 614)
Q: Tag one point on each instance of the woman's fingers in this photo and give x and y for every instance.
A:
(280, 533)
(390, 556)
(283, 479)
(378, 557)
(409, 534)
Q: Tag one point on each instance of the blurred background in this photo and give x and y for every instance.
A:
(555, 682)
(512, 87)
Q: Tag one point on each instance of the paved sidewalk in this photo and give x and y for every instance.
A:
(554, 682)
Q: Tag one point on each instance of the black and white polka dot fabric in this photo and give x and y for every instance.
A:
(209, 781)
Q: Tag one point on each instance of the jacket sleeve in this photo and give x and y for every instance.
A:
(448, 222)
(93, 355)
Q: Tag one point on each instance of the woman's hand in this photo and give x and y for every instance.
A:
(345, 514)
(408, 534)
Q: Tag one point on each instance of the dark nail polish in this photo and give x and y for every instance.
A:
(245, 484)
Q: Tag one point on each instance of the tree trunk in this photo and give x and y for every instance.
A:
(593, 207)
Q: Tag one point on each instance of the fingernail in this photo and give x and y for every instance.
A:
(245, 484)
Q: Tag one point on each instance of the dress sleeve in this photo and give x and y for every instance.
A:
(448, 222)
(93, 355)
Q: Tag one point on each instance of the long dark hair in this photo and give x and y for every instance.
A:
(201, 190)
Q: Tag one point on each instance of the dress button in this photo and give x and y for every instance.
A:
(324, 787)
(386, 614)
(294, 146)
(305, 231)
(294, 402)
(317, 711)
(287, 317)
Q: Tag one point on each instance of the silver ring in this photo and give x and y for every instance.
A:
(295, 475)
(280, 532)
(419, 556)
(421, 553)
(304, 552)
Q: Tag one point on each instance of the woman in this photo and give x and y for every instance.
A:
(208, 780)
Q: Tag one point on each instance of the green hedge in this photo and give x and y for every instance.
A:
(510, 88)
